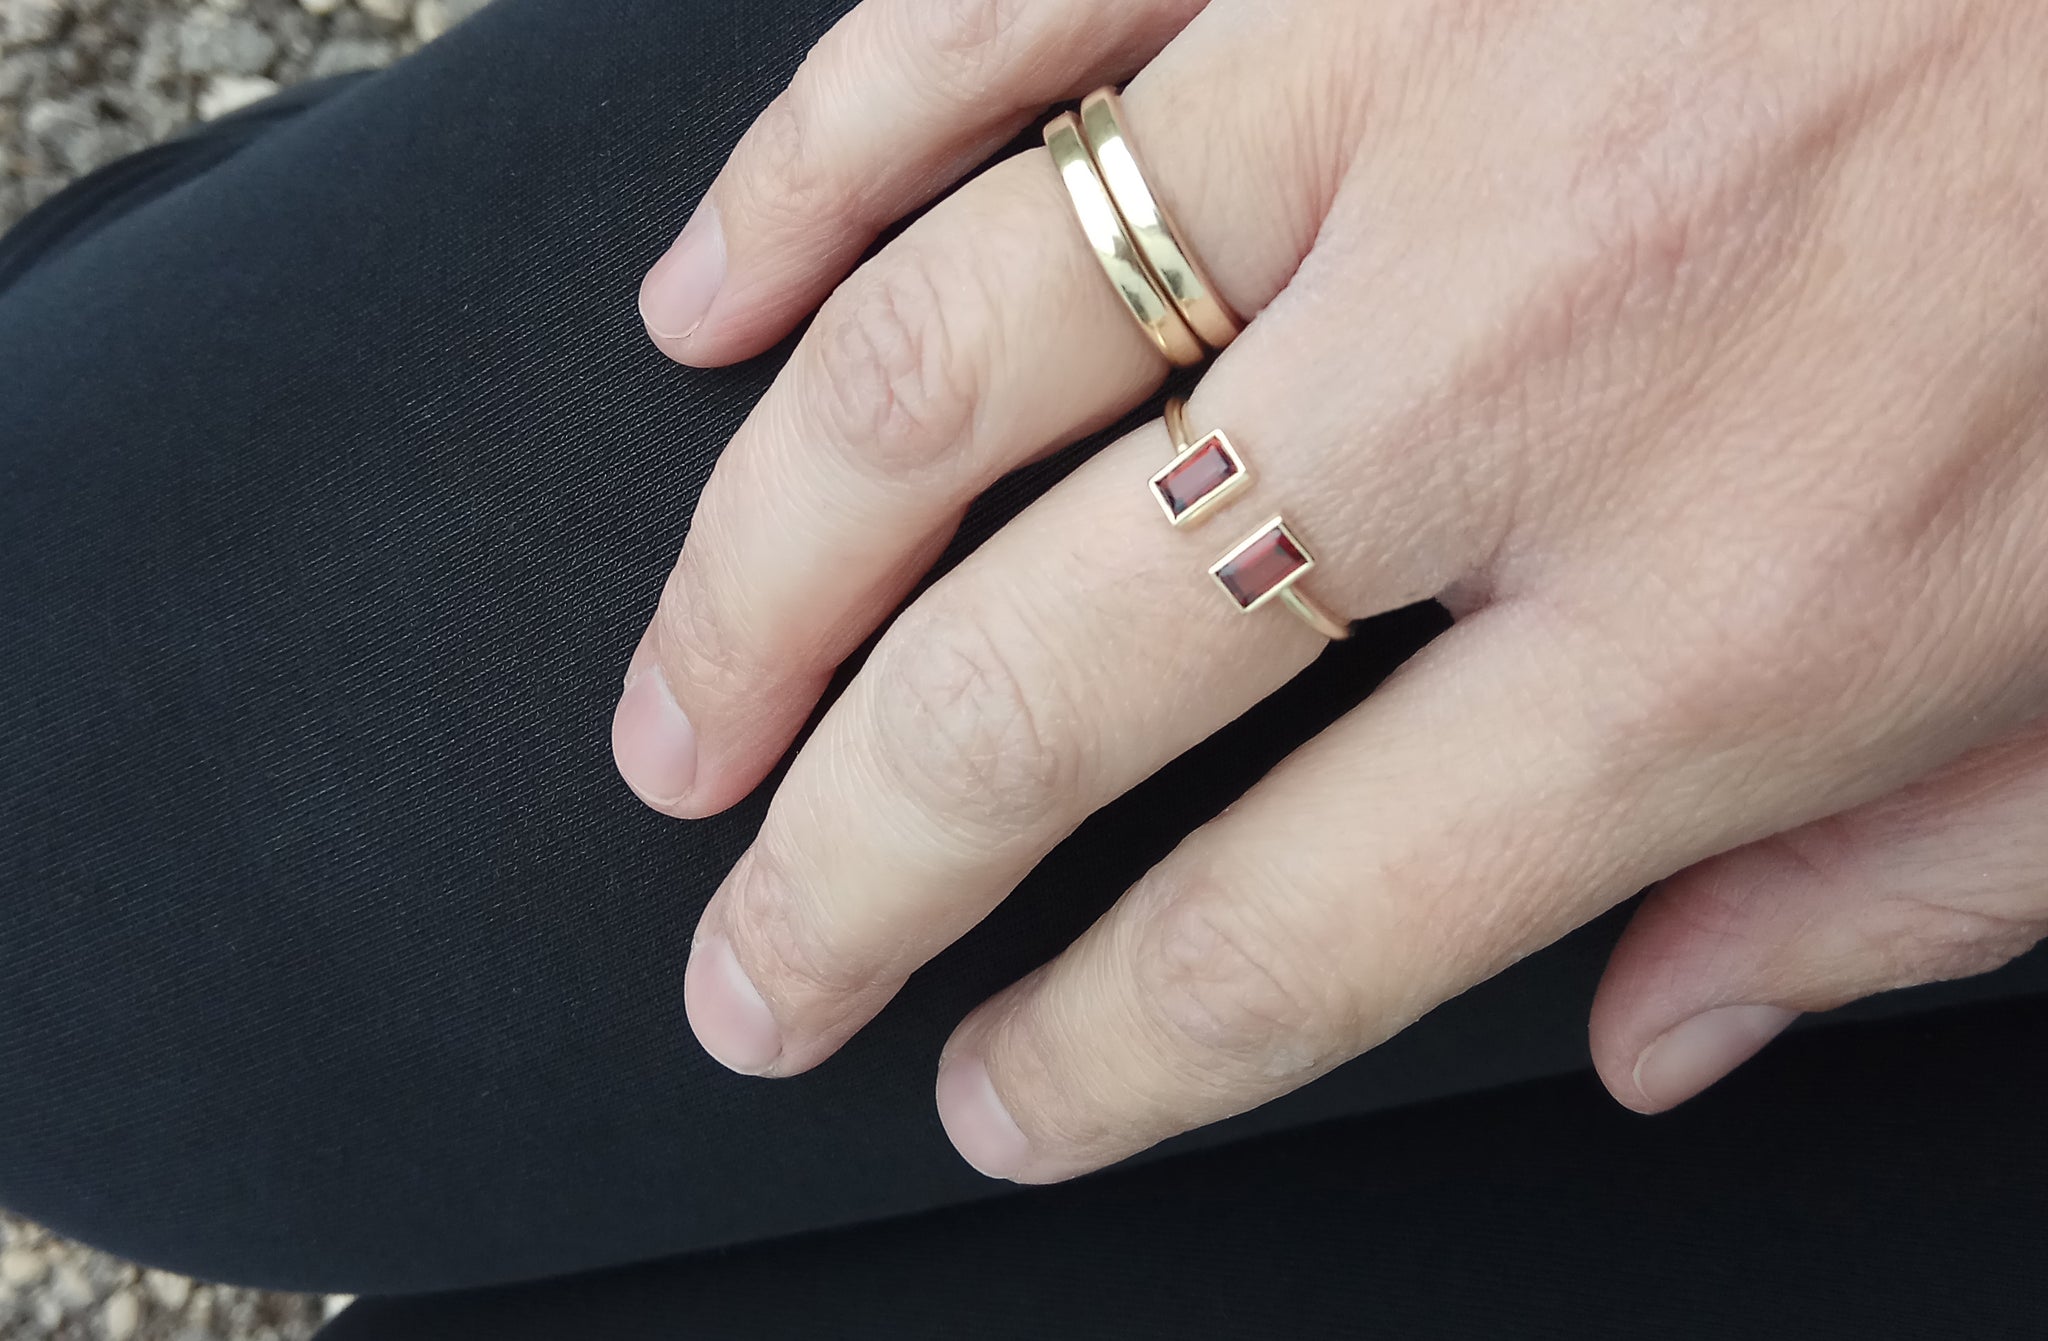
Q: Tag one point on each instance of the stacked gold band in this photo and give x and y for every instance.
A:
(1114, 247)
(1159, 241)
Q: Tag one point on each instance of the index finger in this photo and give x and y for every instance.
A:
(895, 104)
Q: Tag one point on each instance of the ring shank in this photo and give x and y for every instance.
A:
(1314, 614)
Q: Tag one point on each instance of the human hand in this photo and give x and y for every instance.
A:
(1692, 354)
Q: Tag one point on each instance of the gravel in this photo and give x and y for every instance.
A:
(54, 1290)
(83, 82)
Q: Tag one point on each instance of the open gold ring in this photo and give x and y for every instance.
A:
(1267, 565)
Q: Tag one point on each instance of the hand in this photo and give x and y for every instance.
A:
(1694, 355)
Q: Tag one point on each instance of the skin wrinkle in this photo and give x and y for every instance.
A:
(1713, 931)
(796, 191)
(695, 640)
(978, 40)
(819, 993)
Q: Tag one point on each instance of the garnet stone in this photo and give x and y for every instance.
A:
(1262, 565)
(1198, 476)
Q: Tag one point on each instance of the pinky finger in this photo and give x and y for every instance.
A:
(1941, 880)
(897, 103)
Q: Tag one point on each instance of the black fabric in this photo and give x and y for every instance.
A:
(77, 212)
(1869, 1183)
(336, 481)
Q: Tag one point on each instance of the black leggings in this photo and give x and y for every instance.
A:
(336, 481)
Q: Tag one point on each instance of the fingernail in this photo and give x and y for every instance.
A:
(677, 293)
(652, 741)
(726, 1012)
(1692, 1055)
(980, 1128)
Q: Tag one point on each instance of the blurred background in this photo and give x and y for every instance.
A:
(83, 82)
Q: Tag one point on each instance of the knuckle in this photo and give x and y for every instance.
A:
(786, 184)
(1643, 222)
(1923, 925)
(690, 638)
(897, 388)
(1227, 983)
(720, 642)
(1724, 693)
(779, 941)
(969, 733)
(1829, 602)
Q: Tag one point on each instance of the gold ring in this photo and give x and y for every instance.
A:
(1113, 246)
(1267, 565)
(1159, 241)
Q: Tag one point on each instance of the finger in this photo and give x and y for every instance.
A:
(1944, 879)
(981, 338)
(1514, 780)
(1008, 703)
(897, 102)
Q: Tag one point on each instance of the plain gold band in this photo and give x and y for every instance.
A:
(1307, 608)
(1166, 254)
(1114, 247)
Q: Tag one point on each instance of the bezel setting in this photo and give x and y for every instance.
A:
(1262, 565)
(1200, 479)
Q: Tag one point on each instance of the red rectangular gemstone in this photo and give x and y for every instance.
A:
(1195, 475)
(1262, 566)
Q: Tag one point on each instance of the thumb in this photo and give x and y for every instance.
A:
(1945, 879)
